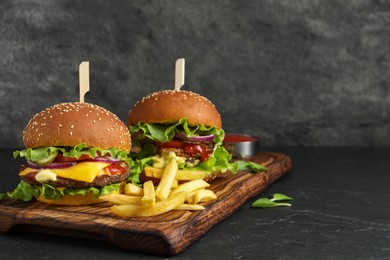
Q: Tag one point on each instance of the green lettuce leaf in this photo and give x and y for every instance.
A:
(77, 151)
(165, 132)
(245, 165)
(24, 191)
(221, 161)
(27, 192)
(137, 167)
(218, 162)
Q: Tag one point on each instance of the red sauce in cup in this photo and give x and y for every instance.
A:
(237, 138)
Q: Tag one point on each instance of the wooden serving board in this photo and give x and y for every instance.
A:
(166, 234)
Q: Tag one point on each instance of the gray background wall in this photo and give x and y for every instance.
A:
(293, 72)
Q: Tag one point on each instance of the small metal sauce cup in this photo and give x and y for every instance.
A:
(241, 145)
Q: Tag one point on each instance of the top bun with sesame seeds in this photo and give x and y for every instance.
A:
(73, 123)
(170, 106)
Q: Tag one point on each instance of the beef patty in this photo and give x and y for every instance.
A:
(99, 182)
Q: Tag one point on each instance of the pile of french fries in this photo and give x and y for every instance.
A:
(176, 190)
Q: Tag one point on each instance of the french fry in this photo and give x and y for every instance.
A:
(167, 179)
(131, 189)
(190, 196)
(149, 198)
(204, 196)
(121, 199)
(189, 175)
(175, 184)
(153, 172)
(190, 186)
(181, 175)
(190, 207)
(159, 208)
(168, 195)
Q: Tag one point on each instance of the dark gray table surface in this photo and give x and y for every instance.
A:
(341, 210)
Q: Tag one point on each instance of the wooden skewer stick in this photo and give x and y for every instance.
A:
(83, 79)
(179, 73)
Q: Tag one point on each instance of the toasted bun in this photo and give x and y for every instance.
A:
(213, 176)
(170, 106)
(75, 200)
(69, 124)
(79, 200)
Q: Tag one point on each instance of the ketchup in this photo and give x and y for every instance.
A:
(237, 138)
(197, 149)
(115, 168)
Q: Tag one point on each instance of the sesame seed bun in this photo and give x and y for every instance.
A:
(169, 106)
(69, 124)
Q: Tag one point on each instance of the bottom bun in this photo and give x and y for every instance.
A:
(212, 176)
(78, 200)
(75, 200)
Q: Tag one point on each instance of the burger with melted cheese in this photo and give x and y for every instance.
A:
(185, 125)
(75, 152)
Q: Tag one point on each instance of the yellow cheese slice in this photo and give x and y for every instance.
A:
(84, 171)
(27, 171)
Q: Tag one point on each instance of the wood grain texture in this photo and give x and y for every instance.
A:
(166, 234)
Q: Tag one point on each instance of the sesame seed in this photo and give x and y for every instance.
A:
(70, 133)
(72, 126)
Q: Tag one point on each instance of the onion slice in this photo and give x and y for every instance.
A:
(50, 165)
(199, 138)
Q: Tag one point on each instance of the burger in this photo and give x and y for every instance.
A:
(75, 153)
(185, 125)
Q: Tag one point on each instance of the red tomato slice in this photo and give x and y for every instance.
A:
(170, 144)
(61, 158)
(115, 168)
